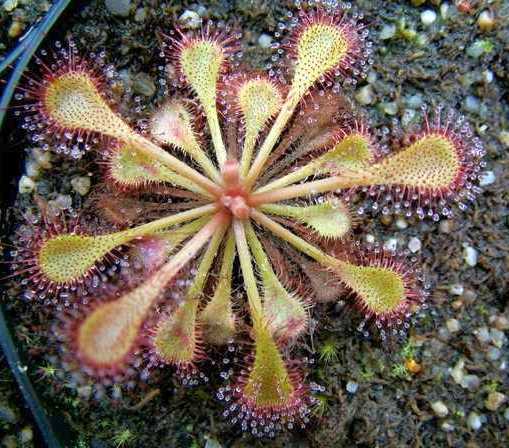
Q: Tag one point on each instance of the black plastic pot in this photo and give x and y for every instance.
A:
(10, 166)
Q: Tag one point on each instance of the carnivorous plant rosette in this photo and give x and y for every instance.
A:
(270, 187)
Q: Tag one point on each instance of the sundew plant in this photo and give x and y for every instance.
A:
(267, 174)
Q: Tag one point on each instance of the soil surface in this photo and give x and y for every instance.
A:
(447, 383)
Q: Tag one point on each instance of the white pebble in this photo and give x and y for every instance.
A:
(472, 103)
(447, 427)
(457, 289)
(387, 31)
(370, 239)
(495, 400)
(414, 245)
(10, 5)
(474, 421)
(428, 17)
(351, 387)
(488, 76)
(497, 337)
(63, 201)
(265, 41)
(372, 77)
(440, 409)
(453, 325)
(470, 382)
(190, 19)
(32, 169)
(26, 185)
(444, 10)
(470, 255)
(120, 8)
(401, 224)
(391, 244)
(365, 95)
(487, 178)
(482, 334)
(457, 372)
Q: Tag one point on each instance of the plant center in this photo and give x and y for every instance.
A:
(234, 197)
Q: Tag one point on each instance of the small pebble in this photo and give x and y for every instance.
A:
(497, 337)
(493, 354)
(365, 95)
(440, 409)
(10, 5)
(469, 295)
(488, 76)
(387, 32)
(447, 427)
(495, 400)
(470, 255)
(504, 138)
(372, 77)
(386, 220)
(453, 325)
(456, 289)
(391, 244)
(15, 29)
(486, 21)
(202, 10)
(401, 224)
(408, 117)
(472, 104)
(414, 101)
(26, 185)
(444, 10)
(64, 201)
(390, 108)
(457, 372)
(457, 304)
(26, 435)
(351, 387)
(500, 323)
(428, 17)
(212, 443)
(414, 245)
(190, 19)
(81, 184)
(470, 382)
(482, 334)
(486, 178)
(370, 239)
(474, 421)
(446, 226)
(120, 8)
(413, 366)
(7, 415)
(265, 40)
(140, 15)
(32, 168)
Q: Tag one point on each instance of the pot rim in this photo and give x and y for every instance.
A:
(23, 53)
